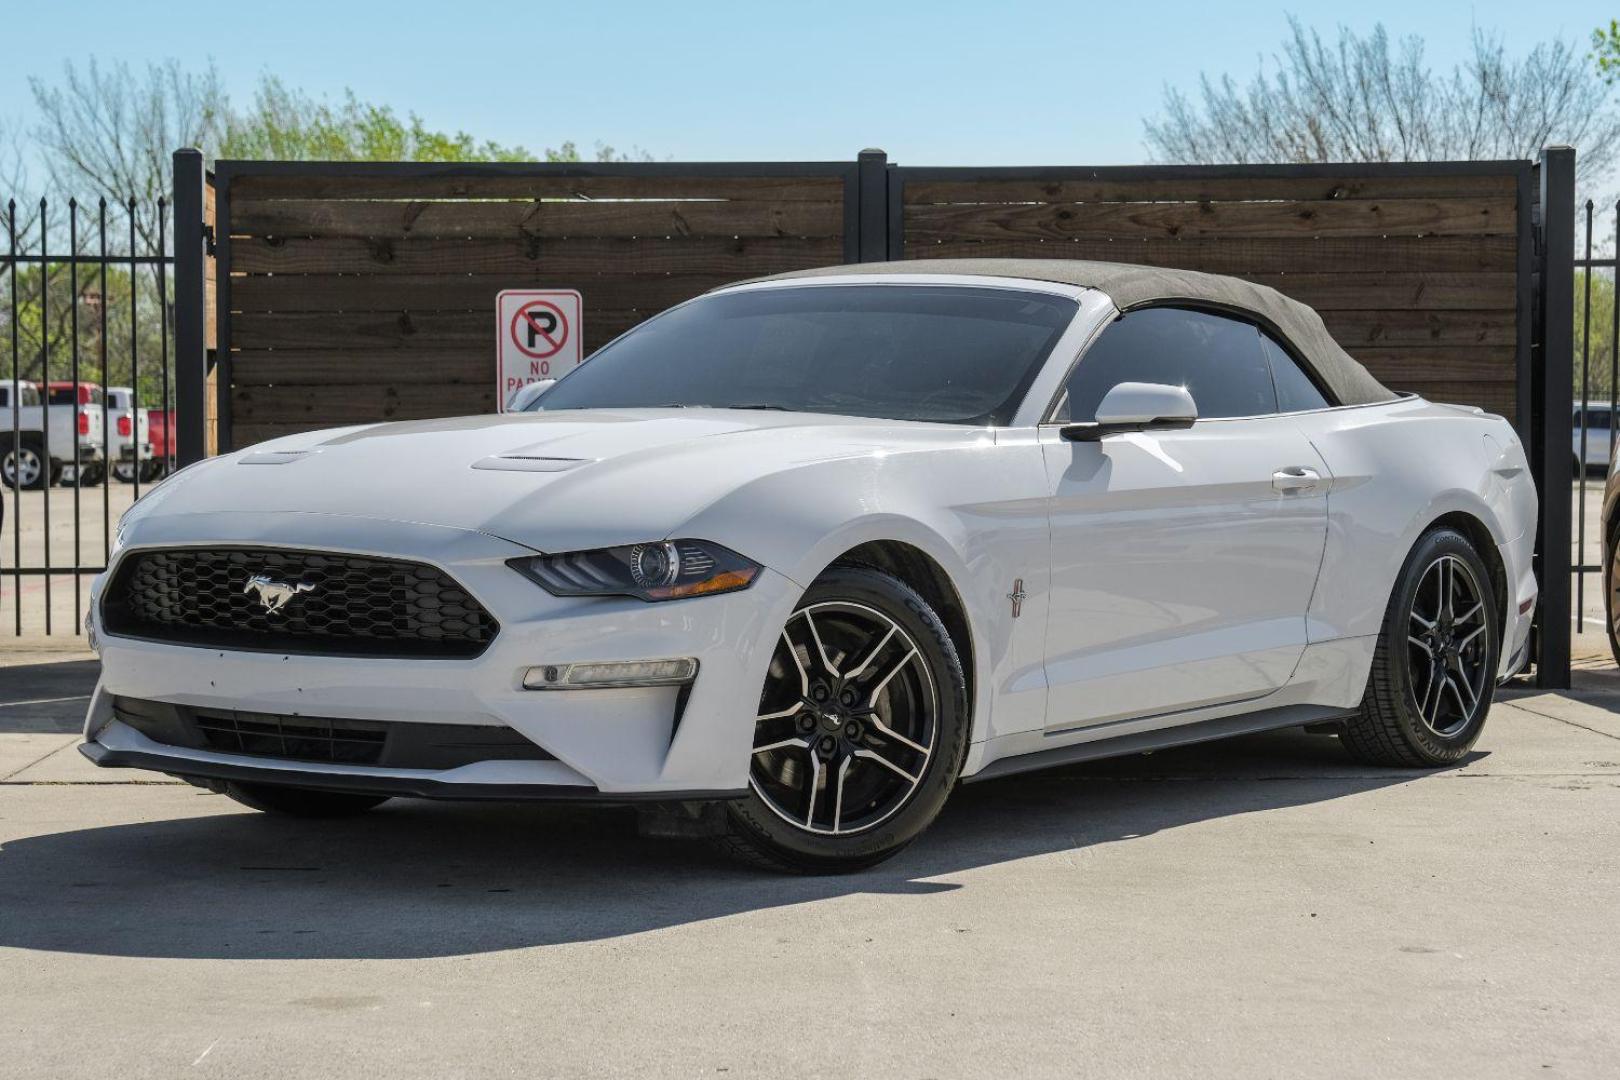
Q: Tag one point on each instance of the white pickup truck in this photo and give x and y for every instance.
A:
(37, 440)
(129, 436)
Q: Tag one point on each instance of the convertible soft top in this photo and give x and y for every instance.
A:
(1130, 285)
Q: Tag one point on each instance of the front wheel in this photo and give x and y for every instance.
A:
(1434, 669)
(861, 728)
(25, 464)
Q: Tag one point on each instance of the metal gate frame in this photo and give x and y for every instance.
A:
(873, 223)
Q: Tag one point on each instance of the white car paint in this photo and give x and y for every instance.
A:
(1168, 578)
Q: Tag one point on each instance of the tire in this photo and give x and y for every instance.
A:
(92, 475)
(124, 474)
(887, 733)
(301, 802)
(1406, 719)
(1611, 582)
(27, 457)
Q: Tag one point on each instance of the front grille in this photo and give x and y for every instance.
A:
(346, 605)
(326, 740)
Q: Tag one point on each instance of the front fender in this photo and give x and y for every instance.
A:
(979, 512)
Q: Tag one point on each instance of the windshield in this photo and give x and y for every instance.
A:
(69, 395)
(942, 353)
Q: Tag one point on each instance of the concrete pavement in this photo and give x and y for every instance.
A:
(1261, 907)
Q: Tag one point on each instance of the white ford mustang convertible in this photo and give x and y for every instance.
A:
(791, 560)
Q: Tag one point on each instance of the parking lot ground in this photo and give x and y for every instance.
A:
(1258, 907)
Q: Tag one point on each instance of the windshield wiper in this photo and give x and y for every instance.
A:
(772, 408)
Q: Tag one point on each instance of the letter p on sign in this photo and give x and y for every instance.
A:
(539, 333)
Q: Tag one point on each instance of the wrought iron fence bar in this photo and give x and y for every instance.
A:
(78, 474)
(134, 369)
(106, 491)
(45, 413)
(41, 571)
(163, 324)
(139, 260)
(16, 423)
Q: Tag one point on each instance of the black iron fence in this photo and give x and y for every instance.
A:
(1594, 417)
(86, 417)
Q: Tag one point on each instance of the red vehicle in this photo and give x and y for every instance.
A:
(161, 430)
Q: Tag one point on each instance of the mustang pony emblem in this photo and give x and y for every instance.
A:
(274, 595)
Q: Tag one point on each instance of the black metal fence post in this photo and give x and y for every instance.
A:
(1552, 396)
(874, 205)
(190, 299)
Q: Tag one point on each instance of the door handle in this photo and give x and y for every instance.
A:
(1295, 478)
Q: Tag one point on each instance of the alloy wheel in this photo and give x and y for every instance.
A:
(847, 722)
(1447, 650)
(24, 462)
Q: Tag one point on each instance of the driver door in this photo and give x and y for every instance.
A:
(1182, 561)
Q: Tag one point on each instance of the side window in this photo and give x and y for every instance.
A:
(1295, 390)
(1218, 360)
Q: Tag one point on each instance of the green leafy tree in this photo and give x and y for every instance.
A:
(1606, 51)
(45, 305)
(1597, 352)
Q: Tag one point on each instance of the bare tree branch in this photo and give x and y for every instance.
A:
(1367, 98)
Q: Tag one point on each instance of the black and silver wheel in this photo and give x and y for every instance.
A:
(301, 802)
(861, 728)
(1434, 670)
(24, 464)
(1611, 590)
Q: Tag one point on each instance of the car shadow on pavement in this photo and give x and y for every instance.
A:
(418, 879)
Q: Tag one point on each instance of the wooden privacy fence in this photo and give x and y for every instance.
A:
(362, 293)
(351, 293)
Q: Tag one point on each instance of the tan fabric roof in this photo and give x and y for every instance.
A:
(1130, 285)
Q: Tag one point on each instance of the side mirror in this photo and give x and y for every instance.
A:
(1135, 406)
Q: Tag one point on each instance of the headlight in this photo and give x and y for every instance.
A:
(661, 570)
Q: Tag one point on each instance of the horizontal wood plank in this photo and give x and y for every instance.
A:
(736, 257)
(458, 184)
(427, 292)
(1194, 189)
(1261, 255)
(1416, 291)
(497, 220)
(420, 331)
(1401, 367)
(358, 404)
(362, 367)
(457, 292)
(1356, 329)
(1228, 220)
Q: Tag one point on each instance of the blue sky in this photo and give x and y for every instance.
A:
(935, 83)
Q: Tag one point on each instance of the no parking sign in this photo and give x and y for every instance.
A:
(539, 332)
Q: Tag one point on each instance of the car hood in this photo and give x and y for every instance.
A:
(550, 481)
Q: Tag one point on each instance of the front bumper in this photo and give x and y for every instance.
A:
(607, 744)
